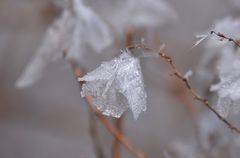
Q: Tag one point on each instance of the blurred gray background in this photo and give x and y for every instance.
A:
(50, 119)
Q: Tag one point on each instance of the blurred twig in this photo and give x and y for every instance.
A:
(116, 150)
(94, 135)
(92, 119)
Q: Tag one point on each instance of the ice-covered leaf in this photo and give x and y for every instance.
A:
(76, 28)
(117, 85)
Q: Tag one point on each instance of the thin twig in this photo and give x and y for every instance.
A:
(115, 132)
(181, 77)
(222, 36)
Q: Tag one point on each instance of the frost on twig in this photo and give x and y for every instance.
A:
(75, 29)
(117, 85)
(216, 47)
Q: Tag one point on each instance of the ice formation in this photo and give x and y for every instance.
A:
(117, 85)
(76, 28)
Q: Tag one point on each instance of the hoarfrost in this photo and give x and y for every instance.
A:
(117, 85)
(72, 31)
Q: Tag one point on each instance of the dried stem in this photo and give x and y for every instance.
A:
(114, 131)
(180, 76)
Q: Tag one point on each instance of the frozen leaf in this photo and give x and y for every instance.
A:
(117, 85)
(72, 32)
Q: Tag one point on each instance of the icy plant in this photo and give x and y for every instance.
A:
(117, 85)
(214, 46)
(228, 63)
(77, 27)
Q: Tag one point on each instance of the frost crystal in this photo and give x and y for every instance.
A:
(72, 31)
(201, 38)
(117, 85)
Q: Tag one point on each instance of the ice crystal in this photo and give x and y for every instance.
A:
(117, 85)
(188, 74)
(76, 28)
(200, 38)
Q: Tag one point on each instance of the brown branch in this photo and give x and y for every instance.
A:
(222, 36)
(181, 77)
(114, 131)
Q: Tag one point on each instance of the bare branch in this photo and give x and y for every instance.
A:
(222, 36)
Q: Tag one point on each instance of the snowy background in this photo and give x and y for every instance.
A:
(50, 119)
